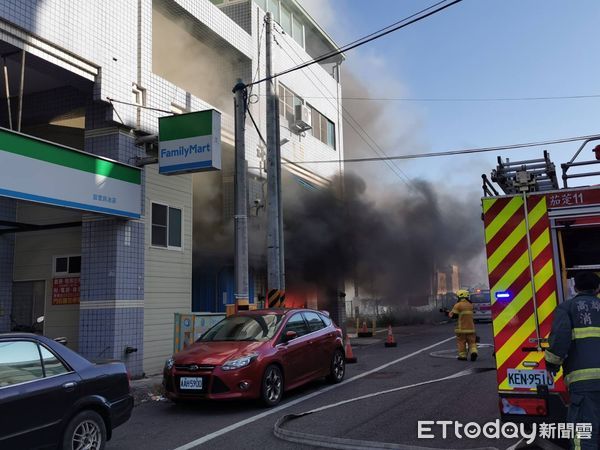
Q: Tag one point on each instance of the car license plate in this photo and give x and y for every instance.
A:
(190, 383)
(529, 378)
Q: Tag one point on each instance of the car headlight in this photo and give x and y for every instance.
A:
(169, 363)
(238, 363)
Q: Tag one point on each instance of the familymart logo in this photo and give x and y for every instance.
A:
(184, 150)
(429, 429)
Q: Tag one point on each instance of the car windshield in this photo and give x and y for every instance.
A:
(480, 298)
(244, 328)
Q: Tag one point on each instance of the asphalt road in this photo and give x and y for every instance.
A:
(390, 417)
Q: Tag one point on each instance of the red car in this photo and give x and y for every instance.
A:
(257, 355)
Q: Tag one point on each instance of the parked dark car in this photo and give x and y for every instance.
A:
(51, 397)
(257, 354)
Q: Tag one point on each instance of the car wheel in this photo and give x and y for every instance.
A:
(338, 367)
(272, 386)
(86, 431)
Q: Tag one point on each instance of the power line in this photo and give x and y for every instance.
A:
(350, 119)
(466, 99)
(423, 14)
(457, 152)
(114, 100)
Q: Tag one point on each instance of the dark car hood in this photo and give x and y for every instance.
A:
(215, 353)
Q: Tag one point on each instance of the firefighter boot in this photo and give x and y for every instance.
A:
(472, 341)
(474, 354)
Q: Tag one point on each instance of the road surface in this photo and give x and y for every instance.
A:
(424, 354)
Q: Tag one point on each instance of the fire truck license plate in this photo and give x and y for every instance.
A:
(529, 378)
(190, 383)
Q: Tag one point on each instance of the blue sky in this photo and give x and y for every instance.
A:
(475, 49)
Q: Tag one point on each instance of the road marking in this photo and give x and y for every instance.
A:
(249, 420)
(356, 444)
(462, 373)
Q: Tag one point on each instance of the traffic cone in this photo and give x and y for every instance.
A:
(390, 341)
(364, 331)
(350, 358)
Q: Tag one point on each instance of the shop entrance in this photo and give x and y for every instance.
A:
(27, 304)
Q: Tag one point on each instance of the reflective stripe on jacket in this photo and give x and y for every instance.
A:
(575, 342)
(464, 310)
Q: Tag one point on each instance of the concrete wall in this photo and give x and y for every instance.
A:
(168, 273)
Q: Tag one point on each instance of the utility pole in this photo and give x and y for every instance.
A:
(240, 218)
(275, 277)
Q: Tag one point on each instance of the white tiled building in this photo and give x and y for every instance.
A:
(134, 269)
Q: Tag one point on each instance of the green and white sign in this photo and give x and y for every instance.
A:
(189, 142)
(43, 172)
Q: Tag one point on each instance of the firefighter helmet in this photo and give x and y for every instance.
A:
(463, 293)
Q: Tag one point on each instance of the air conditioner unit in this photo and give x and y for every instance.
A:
(302, 118)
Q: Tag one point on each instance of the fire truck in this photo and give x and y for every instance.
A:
(537, 236)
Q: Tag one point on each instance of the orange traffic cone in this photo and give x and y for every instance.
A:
(350, 358)
(390, 341)
(364, 331)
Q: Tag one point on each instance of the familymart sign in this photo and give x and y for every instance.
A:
(43, 172)
(189, 142)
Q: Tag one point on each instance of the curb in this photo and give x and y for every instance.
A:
(147, 389)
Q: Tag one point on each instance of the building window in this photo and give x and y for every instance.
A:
(287, 103)
(262, 4)
(166, 226)
(273, 8)
(67, 265)
(286, 20)
(298, 31)
(323, 128)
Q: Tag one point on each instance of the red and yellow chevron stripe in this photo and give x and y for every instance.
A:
(508, 267)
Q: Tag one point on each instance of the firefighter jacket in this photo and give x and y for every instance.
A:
(574, 343)
(464, 310)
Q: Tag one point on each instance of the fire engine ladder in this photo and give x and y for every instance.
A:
(515, 177)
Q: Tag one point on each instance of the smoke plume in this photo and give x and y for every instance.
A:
(389, 248)
(181, 58)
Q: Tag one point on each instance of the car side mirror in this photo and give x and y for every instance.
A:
(289, 336)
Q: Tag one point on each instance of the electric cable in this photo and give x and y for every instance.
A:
(458, 152)
(464, 100)
(256, 126)
(414, 18)
(113, 100)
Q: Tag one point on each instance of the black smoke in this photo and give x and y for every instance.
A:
(390, 245)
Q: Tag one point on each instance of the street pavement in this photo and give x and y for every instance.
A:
(390, 417)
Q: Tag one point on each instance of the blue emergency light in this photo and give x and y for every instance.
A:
(504, 295)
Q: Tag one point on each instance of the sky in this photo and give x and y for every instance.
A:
(474, 49)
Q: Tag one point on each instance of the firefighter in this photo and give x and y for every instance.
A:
(574, 344)
(465, 327)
